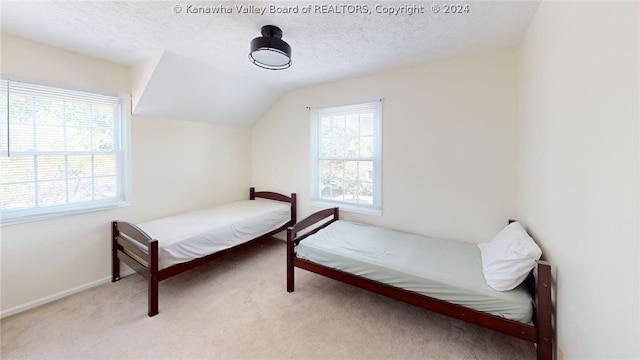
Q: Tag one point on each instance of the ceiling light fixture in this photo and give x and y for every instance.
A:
(269, 51)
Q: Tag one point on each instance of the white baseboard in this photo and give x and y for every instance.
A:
(58, 296)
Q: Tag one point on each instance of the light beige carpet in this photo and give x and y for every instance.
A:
(237, 308)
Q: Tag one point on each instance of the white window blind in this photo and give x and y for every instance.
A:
(346, 159)
(62, 151)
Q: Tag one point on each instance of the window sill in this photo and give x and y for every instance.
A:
(365, 210)
(58, 214)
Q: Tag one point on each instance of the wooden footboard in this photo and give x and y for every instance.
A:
(540, 333)
(141, 257)
(134, 247)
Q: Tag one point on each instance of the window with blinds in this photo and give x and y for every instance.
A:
(346, 161)
(62, 151)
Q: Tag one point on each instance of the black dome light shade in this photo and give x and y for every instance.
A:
(269, 51)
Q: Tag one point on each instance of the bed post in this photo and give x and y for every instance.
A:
(252, 193)
(544, 311)
(115, 262)
(294, 206)
(153, 278)
(290, 270)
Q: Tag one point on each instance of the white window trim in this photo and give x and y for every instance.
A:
(124, 163)
(376, 208)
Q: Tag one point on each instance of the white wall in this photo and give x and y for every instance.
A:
(177, 166)
(578, 188)
(449, 144)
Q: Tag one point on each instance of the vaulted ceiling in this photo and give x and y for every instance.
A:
(189, 59)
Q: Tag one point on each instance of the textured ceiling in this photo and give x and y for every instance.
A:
(195, 65)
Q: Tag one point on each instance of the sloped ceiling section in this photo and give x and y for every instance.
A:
(141, 73)
(175, 86)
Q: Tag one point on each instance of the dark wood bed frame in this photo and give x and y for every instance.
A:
(540, 333)
(124, 235)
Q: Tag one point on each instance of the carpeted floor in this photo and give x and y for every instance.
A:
(237, 308)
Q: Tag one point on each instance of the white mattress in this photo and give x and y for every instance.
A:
(446, 270)
(196, 234)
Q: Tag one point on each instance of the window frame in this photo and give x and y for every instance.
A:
(121, 144)
(316, 199)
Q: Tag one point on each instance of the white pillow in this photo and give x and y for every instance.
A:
(509, 257)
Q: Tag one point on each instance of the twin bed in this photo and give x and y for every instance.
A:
(443, 276)
(162, 248)
(438, 275)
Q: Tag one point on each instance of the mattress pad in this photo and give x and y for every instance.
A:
(192, 235)
(442, 269)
